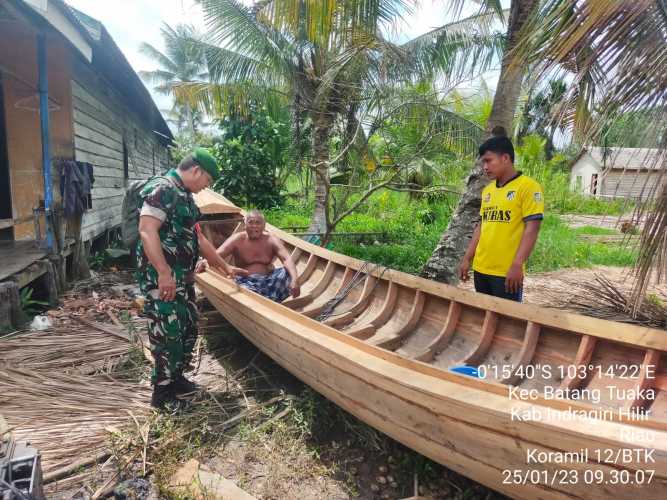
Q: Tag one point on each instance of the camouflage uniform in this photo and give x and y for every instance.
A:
(172, 326)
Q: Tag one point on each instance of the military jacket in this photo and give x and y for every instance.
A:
(167, 199)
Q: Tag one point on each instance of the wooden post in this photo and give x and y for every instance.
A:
(11, 315)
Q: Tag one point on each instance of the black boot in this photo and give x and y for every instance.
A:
(163, 396)
(182, 385)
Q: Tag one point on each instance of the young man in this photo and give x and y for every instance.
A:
(512, 211)
(167, 252)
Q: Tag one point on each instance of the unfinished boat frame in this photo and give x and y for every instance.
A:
(559, 405)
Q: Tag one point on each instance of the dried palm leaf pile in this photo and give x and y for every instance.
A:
(602, 298)
(67, 389)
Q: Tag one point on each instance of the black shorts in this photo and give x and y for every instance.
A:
(495, 285)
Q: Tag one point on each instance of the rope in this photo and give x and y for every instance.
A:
(358, 278)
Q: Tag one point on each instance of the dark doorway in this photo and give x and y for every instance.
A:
(594, 184)
(6, 233)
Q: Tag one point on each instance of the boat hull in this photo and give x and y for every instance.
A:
(451, 419)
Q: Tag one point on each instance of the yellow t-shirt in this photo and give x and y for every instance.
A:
(504, 212)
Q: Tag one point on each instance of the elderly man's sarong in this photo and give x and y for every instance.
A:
(274, 286)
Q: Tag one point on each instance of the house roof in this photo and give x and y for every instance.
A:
(628, 158)
(109, 61)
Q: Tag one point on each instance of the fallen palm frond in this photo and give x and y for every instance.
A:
(601, 298)
(67, 415)
(82, 348)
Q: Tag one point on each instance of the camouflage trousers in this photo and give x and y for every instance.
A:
(172, 331)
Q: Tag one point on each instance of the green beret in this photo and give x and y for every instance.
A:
(206, 161)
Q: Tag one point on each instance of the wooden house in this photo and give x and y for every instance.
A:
(66, 93)
(634, 173)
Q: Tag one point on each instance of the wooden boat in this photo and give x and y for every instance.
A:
(390, 352)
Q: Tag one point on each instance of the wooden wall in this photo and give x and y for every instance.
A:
(631, 184)
(103, 125)
(18, 60)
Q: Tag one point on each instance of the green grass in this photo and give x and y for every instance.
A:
(595, 230)
(558, 247)
(413, 228)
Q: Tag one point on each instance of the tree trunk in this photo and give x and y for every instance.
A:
(322, 123)
(443, 263)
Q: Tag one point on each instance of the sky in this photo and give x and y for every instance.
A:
(131, 22)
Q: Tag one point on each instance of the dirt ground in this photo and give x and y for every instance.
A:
(553, 289)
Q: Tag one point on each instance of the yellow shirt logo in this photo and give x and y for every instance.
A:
(504, 212)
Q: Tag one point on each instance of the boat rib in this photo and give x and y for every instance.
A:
(445, 335)
(350, 315)
(316, 291)
(392, 343)
(649, 367)
(525, 354)
(583, 357)
(368, 330)
(488, 332)
(315, 310)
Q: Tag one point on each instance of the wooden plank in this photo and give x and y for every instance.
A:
(488, 332)
(526, 353)
(87, 133)
(445, 335)
(366, 331)
(582, 358)
(646, 382)
(408, 327)
(98, 149)
(357, 307)
(83, 119)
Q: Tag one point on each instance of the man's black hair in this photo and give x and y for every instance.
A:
(187, 163)
(498, 145)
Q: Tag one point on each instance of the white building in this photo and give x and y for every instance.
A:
(619, 172)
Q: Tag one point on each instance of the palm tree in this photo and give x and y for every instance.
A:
(329, 60)
(444, 261)
(182, 62)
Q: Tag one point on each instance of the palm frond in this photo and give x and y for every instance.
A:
(157, 77)
(234, 26)
(323, 23)
(149, 51)
(231, 99)
(459, 49)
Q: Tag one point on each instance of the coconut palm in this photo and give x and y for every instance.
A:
(331, 61)
(183, 61)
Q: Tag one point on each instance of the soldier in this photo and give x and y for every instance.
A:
(168, 250)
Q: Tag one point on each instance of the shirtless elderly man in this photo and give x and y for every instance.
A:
(254, 250)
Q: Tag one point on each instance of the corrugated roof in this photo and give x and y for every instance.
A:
(629, 158)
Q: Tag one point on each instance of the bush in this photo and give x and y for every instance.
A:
(251, 155)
